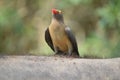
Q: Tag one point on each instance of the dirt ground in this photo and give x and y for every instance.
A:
(58, 68)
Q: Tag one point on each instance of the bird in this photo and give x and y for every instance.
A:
(59, 36)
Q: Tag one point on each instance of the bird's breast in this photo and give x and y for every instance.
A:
(59, 37)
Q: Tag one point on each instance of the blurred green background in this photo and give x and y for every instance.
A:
(95, 23)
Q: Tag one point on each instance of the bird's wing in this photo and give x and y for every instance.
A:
(48, 39)
(72, 40)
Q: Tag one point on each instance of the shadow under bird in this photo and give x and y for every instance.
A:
(59, 36)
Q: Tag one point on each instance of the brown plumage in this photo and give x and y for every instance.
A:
(59, 37)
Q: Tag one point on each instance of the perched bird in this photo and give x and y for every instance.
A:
(59, 36)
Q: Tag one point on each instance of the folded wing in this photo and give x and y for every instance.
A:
(48, 39)
(72, 40)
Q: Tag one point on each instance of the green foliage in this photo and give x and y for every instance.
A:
(10, 19)
(69, 3)
(110, 21)
(116, 50)
(110, 14)
(14, 35)
(96, 47)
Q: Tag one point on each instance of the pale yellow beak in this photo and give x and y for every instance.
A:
(60, 11)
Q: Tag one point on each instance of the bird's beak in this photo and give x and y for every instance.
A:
(60, 12)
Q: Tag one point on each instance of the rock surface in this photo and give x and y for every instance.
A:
(56, 68)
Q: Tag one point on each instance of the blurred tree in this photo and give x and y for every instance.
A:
(96, 24)
(15, 37)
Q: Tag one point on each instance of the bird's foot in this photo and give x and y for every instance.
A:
(68, 56)
(61, 54)
(72, 56)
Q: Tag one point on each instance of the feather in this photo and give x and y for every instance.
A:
(48, 39)
(72, 40)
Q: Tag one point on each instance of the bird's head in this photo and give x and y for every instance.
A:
(55, 11)
(57, 14)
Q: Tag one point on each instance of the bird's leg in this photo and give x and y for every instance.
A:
(69, 52)
(56, 50)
